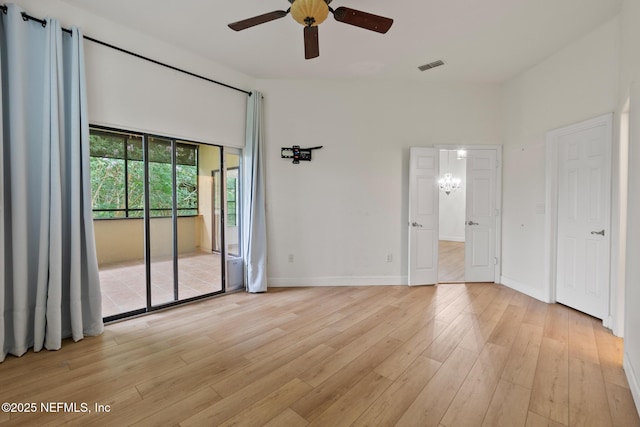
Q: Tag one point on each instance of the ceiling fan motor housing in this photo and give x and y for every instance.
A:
(310, 12)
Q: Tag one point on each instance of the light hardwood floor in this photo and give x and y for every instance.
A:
(446, 355)
(450, 261)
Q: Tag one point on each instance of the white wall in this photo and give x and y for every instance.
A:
(577, 83)
(133, 94)
(341, 214)
(630, 79)
(453, 205)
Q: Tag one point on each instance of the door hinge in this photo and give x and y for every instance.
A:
(495, 260)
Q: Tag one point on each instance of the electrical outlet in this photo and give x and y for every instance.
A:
(290, 257)
(389, 257)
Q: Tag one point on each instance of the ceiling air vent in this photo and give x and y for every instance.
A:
(431, 65)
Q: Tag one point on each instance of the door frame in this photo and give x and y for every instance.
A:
(498, 190)
(551, 211)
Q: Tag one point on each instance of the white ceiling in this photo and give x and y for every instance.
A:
(479, 40)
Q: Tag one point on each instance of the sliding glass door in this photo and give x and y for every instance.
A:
(159, 215)
(200, 269)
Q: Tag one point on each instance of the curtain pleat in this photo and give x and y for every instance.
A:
(254, 230)
(50, 276)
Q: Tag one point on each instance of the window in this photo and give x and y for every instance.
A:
(117, 176)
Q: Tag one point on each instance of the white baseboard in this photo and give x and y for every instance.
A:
(524, 288)
(452, 238)
(337, 281)
(632, 378)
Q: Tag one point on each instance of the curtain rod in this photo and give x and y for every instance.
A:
(162, 64)
(27, 17)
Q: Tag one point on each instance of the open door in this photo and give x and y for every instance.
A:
(423, 216)
(481, 223)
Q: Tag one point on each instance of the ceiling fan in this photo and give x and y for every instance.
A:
(311, 13)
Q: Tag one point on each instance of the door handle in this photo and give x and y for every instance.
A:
(601, 232)
(415, 224)
(472, 223)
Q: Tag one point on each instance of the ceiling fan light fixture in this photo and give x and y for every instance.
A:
(310, 12)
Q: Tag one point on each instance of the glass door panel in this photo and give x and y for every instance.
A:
(115, 158)
(232, 236)
(161, 192)
(199, 264)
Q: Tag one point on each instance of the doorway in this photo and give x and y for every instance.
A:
(481, 220)
(452, 209)
(469, 215)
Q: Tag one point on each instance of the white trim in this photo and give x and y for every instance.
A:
(536, 293)
(619, 211)
(551, 211)
(338, 281)
(632, 378)
(498, 252)
(551, 219)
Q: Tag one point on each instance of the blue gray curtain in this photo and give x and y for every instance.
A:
(50, 286)
(254, 225)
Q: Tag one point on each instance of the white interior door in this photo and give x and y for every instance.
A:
(423, 216)
(584, 177)
(480, 228)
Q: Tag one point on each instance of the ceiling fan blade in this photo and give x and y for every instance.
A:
(365, 20)
(311, 44)
(257, 20)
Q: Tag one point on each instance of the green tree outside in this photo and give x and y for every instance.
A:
(117, 159)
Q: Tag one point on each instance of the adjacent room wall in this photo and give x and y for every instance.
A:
(629, 89)
(110, 233)
(577, 83)
(453, 205)
(208, 161)
(337, 219)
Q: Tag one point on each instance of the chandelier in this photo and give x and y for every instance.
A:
(449, 183)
